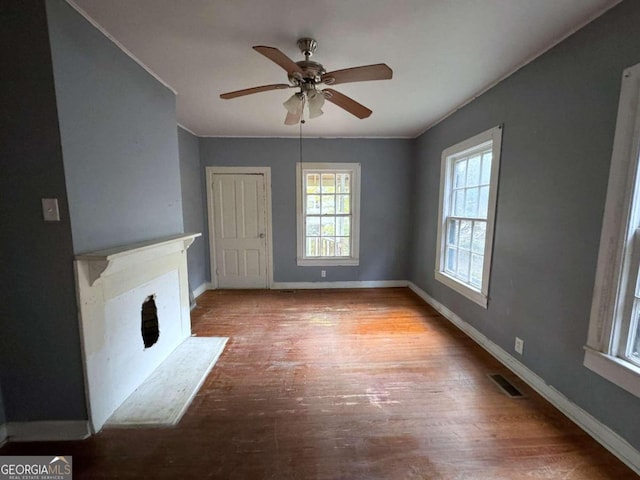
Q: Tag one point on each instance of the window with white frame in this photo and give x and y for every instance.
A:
(613, 344)
(328, 213)
(468, 187)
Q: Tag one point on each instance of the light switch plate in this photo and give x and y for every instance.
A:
(50, 210)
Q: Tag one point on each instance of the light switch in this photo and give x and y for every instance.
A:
(50, 210)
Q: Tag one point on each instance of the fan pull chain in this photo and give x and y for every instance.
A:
(302, 196)
(301, 122)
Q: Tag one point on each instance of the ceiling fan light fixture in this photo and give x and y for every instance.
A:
(316, 102)
(292, 119)
(294, 104)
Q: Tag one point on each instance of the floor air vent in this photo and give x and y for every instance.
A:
(506, 386)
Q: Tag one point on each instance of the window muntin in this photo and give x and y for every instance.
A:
(328, 197)
(467, 211)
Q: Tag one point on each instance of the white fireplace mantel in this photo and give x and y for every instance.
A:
(111, 260)
(112, 284)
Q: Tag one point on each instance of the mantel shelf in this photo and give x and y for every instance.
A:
(104, 262)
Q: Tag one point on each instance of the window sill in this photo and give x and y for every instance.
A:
(328, 262)
(473, 295)
(617, 371)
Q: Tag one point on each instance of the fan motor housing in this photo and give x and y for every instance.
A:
(311, 72)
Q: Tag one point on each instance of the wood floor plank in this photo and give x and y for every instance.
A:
(345, 384)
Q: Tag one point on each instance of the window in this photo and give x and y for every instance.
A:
(613, 344)
(468, 185)
(328, 213)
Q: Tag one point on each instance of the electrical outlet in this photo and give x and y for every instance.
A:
(323, 273)
(519, 346)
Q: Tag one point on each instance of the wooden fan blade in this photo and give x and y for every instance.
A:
(292, 119)
(278, 57)
(379, 71)
(249, 91)
(347, 103)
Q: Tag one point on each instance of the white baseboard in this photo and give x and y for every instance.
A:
(202, 288)
(47, 431)
(600, 432)
(354, 284)
(3, 434)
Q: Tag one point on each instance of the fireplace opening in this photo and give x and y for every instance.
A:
(150, 329)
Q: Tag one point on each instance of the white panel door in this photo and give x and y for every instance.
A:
(240, 230)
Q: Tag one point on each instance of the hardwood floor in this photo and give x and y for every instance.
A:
(344, 384)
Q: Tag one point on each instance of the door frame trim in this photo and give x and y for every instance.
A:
(266, 174)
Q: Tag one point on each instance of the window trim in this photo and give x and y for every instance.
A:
(354, 259)
(602, 351)
(494, 135)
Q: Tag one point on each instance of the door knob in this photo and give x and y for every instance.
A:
(261, 235)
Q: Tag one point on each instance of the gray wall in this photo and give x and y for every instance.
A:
(104, 131)
(193, 206)
(119, 138)
(559, 118)
(40, 364)
(385, 206)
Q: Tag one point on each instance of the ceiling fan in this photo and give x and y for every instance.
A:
(308, 75)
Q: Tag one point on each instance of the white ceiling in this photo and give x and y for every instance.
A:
(442, 52)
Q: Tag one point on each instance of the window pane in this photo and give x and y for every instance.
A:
(465, 234)
(634, 338)
(635, 346)
(473, 171)
(342, 247)
(460, 173)
(343, 226)
(313, 204)
(485, 176)
(471, 202)
(479, 235)
(343, 183)
(483, 202)
(476, 270)
(452, 232)
(459, 203)
(452, 205)
(450, 261)
(328, 183)
(463, 265)
(328, 226)
(313, 183)
(312, 247)
(328, 247)
(328, 204)
(343, 204)
(313, 226)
